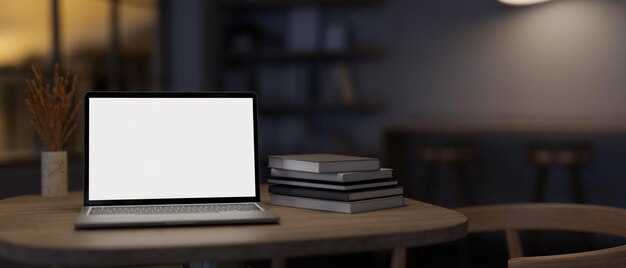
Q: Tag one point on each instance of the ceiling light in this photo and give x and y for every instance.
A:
(522, 2)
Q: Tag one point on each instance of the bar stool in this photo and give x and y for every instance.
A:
(573, 156)
(455, 157)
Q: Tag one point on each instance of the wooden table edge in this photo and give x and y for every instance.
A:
(31, 254)
(297, 248)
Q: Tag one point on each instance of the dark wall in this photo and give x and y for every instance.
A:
(479, 59)
(464, 60)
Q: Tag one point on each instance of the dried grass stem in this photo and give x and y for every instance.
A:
(53, 112)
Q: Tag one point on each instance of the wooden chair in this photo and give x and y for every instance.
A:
(564, 217)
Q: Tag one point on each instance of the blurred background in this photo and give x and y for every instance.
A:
(471, 102)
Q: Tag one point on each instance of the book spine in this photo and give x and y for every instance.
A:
(377, 194)
(306, 175)
(310, 193)
(329, 167)
(337, 206)
(377, 204)
(363, 176)
(308, 203)
(294, 165)
(332, 186)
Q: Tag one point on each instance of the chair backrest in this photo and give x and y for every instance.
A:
(544, 216)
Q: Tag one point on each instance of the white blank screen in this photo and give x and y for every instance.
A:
(156, 148)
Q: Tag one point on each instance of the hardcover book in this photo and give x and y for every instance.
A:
(334, 177)
(323, 163)
(338, 206)
(335, 195)
(334, 185)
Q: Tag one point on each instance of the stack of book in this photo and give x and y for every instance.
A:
(329, 182)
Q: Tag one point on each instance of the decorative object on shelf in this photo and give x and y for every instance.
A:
(338, 86)
(53, 113)
(336, 37)
(346, 85)
(244, 37)
(303, 29)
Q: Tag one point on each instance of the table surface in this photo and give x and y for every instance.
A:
(40, 230)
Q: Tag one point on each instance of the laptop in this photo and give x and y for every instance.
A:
(171, 158)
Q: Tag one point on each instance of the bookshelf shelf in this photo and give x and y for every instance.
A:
(287, 109)
(28, 157)
(318, 55)
(281, 4)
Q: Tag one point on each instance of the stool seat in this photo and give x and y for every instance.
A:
(574, 154)
(445, 154)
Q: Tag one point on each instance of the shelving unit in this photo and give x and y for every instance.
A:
(313, 113)
(283, 4)
(318, 55)
(288, 109)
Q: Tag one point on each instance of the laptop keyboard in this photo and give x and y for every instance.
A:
(172, 209)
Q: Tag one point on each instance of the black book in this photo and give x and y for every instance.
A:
(336, 195)
(334, 185)
(334, 177)
(338, 206)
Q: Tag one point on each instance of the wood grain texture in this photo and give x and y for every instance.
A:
(534, 216)
(606, 258)
(514, 244)
(39, 230)
(398, 258)
(566, 217)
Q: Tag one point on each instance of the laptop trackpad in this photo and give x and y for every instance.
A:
(198, 217)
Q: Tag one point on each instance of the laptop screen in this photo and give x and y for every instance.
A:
(170, 148)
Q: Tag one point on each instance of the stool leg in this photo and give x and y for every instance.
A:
(539, 191)
(430, 194)
(465, 255)
(398, 258)
(577, 195)
(464, 188)
(540, 183)
(575, 184)
(279, 262)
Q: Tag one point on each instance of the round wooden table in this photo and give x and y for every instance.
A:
(40, 230)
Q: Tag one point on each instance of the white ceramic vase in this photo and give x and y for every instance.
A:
(53, 173)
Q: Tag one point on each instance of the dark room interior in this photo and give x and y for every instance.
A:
(503, 123)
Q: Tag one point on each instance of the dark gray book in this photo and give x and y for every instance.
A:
(338, 206)
(334, 177)
(334, 185)
(335, 195)
(323, 163)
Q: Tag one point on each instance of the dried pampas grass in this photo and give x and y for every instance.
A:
(53, 112)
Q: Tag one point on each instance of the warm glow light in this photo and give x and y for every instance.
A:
(522, 2)
(25, 30)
